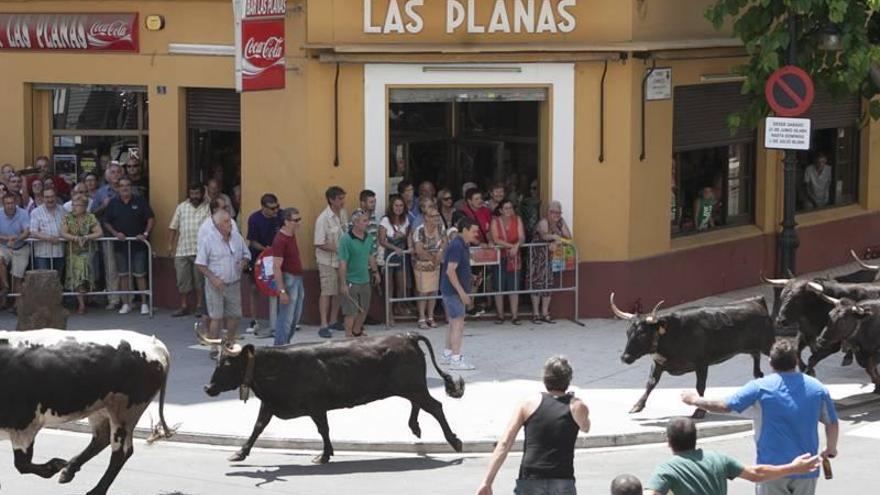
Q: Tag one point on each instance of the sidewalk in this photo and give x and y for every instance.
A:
(508, 360)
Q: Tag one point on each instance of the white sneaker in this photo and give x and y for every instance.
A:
(111, 306)
(125, 309)
(445, 357)
(460, 365)
(145, 310)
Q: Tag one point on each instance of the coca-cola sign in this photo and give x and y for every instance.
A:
(66, 31)
(262, 54)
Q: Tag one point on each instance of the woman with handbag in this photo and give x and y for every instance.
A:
(427, 243)
(393, 235)
(552, 229)
(509, 234)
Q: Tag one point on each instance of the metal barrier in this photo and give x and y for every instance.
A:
(555, 278)
(94, 248)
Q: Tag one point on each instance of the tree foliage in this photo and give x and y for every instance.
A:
(762, 26)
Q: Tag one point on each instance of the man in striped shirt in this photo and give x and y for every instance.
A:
(184, 227)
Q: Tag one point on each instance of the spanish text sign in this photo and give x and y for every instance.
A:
(787, 134)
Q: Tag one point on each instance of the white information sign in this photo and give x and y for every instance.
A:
(787, 134)
(659, 85)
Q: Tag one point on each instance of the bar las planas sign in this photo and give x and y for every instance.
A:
(113, 32)
(259, 44)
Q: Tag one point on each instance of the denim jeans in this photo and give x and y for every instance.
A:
(56, 264)
(545, 487)
(289, 314)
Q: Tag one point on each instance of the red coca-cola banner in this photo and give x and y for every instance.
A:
(259, 44)
(262, 55)
(66, 31)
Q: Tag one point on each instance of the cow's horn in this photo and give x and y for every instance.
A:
(862, 263)
(232, 350)
(829, 299)
(816, 287)
(775, 282)
(205, 340)
(657, 307)
(623, 315)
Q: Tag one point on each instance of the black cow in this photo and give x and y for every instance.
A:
(311, 379)
(868, 273)
(692, 339)
(49, 377)
(802, 307)
(856, 325)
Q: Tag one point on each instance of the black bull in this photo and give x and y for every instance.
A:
(802, 306)
(857, 324)
(692, 339)
(311, 379)
(50, 377)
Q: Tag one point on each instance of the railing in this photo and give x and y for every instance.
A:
(94, 251)
(557, 276)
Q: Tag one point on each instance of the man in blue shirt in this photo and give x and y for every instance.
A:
(14, 229)
(789, 405)
(455, 281)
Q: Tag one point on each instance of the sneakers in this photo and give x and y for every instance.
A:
(252, 327)
(460, 364)
(339, 327)
(445, 357)
(145, 309)
(125, 309)
(112, 306)
(325, 332)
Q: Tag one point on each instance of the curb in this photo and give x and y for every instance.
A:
(468, 447)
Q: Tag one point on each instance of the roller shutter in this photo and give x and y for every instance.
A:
(828, 113)
(700, 116)
(213, 109)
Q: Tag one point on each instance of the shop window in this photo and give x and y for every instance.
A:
(713, 188)
(828, 175)
(94, 125)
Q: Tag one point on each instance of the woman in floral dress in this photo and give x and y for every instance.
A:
(79, 228)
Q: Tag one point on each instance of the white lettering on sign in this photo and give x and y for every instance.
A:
(264, 8)
(787, 133)
(506, 16)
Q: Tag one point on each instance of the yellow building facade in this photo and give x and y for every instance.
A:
(613, 106)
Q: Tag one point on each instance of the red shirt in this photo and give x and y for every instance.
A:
(285, 247)
(62, 188)
(483, 217)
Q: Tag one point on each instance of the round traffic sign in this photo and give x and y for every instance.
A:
(789, 91)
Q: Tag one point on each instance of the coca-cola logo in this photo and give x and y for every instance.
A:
(109, 30)
(271, 48)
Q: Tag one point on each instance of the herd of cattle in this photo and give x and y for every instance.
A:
(49, 377)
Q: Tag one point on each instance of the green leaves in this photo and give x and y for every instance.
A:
(763, 27)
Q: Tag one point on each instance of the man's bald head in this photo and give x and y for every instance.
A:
(626, 484)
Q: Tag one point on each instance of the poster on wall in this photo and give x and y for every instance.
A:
(65, 166)
(108, 32)
(259, 44)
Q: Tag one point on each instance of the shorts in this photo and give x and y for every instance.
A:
(454, 307)
(360, 294)
(545, 487)
(427, 282)
(226, 304)
(329, 280)
(787, 486)
(188, 276)
(138, 259)
(18, 257)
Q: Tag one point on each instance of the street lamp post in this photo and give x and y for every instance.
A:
(788, 238)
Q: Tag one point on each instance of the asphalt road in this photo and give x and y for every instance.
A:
(178, 469)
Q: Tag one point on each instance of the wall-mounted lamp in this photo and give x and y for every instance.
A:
(154, 22)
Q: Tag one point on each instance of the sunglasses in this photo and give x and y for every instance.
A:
(274, 208)
(447, 198)
(296, 220)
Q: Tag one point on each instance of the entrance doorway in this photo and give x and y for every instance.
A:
(213, 119)
(453, 136)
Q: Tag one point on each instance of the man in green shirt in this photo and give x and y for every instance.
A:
(356, 262)
(694, 471)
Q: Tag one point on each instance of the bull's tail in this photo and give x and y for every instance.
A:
(454, 388)
(161, 431)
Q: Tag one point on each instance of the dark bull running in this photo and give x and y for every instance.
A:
(856, 325)
(49, 377)
(311, 379)
(692, 339)
(801, 307)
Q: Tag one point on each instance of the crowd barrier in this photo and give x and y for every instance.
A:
(95, 250)
(561, 274)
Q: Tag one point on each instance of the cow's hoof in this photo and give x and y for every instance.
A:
(417, 431)
(66, 476)
(56, 465)
(847, 360)
(877, 389)
(637, 408)
(321, 459)
(97, 492)
(456, 444)
(238, 456)
(699, 414)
